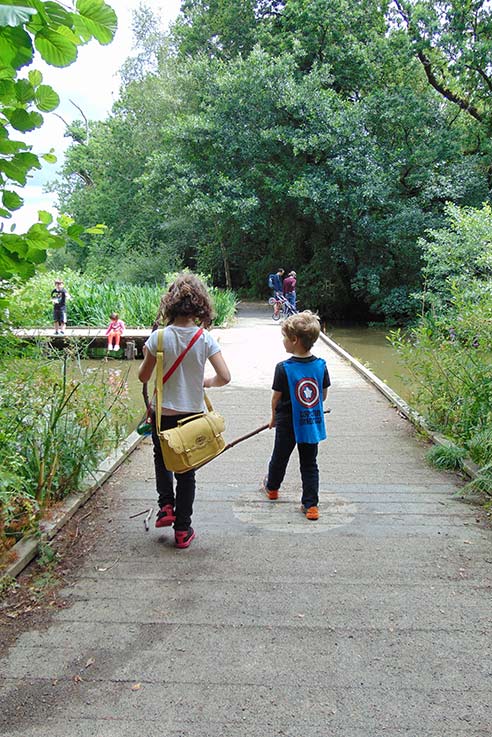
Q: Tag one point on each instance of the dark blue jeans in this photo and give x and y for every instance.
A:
(291, 297)
(183, 500)
(285, 443)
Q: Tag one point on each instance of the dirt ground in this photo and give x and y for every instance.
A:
(32, 600)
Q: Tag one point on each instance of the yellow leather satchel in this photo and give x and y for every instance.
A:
(196, 439)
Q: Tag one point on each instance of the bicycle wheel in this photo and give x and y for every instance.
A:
(285, 311)
(272, 301)
(276, 316)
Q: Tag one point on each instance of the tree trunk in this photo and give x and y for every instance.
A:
(227, 268)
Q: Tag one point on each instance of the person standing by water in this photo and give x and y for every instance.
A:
(115, 330)
(59, 296)
(186, 309)
(290, 283)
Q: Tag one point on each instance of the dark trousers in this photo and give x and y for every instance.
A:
(183, 500)
(285, 443)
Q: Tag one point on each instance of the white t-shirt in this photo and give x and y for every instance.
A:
(183, 391)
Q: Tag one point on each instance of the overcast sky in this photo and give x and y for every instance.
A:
(92, 82)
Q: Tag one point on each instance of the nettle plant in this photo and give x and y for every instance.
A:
(55, 31)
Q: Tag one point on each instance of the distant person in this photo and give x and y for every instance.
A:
(276, 282)
(300, 386)
(184, 308)
(115, 330)
(290, 288)
(59, 296)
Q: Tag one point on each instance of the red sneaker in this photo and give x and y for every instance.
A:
(183, 538)
(166, 516)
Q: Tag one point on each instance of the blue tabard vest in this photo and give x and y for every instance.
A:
(306, 393)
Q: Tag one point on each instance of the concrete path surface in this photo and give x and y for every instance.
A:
(374, 621)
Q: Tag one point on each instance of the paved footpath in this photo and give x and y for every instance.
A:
(374, 621)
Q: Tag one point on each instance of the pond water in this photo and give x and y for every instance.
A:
(368, 344)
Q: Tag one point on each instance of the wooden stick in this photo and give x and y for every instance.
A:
(243, 437)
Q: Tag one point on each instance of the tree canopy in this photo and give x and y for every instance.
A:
(312, 135)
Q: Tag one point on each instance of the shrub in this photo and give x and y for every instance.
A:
(92, 302)
(449, 356)
(57, 420)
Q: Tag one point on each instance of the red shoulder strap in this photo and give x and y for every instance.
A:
(182, 355)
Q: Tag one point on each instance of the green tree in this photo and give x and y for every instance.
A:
(317, 144)
(452, 40)
(458, 258)
(55, 32)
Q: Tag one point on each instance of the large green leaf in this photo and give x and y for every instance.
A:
(98, 229)
(15, 47)
(13, 15)
(23, 121)
(75, 230)
(57, 14)
(46, 98)
(55, 48)
(14, 244)
(7, 91)
(11, 147)
(19, 166)
(24, 91)
(10, 266)
(45, 217)
(35, 77)
(6, 72)
(11, 200)
(99, 19)
(70, 35)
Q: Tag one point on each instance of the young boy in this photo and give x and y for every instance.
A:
(59, 296)
(300, 386)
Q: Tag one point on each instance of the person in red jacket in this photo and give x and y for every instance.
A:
(290, 282)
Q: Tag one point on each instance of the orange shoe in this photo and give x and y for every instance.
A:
(269, 493)
(311, 513)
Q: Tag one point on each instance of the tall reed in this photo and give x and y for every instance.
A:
(92, 302)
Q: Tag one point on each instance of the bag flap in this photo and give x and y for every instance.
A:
(174, 440)
(194, 434)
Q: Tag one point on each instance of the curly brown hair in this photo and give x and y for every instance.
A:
(187, 296)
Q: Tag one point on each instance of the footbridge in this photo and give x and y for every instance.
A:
(372, 621)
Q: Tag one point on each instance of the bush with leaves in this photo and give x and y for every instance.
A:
(93, 301)
(55, 32)
(57, 420)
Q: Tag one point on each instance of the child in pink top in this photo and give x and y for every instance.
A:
(115, 330)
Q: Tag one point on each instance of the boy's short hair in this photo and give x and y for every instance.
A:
(305, 326)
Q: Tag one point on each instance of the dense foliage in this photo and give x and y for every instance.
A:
(54, 32)
(92, 302)
(449, 351)
(57, 421)
(324, 136)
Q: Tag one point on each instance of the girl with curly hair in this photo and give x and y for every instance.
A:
(186, 310)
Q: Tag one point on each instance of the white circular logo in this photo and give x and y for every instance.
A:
(307, 392)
